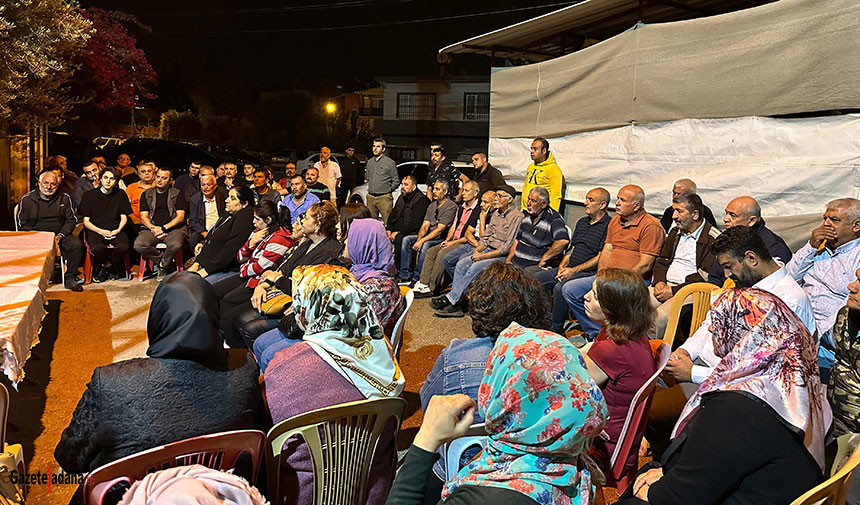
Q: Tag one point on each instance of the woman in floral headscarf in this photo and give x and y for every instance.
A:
(754, 430)
(343, 357)
(542, 411)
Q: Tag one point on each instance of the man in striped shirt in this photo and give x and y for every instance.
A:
(543, 237)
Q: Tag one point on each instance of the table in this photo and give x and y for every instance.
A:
(26, 265)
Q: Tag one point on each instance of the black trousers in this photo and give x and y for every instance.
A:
(73, 251)
(234, 298)
(250, 324)
(114, 250)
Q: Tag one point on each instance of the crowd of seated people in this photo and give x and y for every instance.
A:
(309, 294)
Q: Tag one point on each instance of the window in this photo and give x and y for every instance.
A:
(476, 106)
(416, 105)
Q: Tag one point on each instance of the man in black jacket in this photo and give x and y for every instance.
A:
(46, 209)
(349, 175)
(407, 215)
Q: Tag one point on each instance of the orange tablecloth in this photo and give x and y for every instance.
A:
(26, 264)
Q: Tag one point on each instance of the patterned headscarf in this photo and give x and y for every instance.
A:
(542, 411)
(767, 353)
(192, 485)
(332, 309)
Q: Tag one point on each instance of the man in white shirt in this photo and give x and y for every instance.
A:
(329, 172)
(685, 258)
(746, 260)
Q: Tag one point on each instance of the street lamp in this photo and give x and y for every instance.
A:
(330, 107)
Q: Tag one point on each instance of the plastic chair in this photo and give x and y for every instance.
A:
(161, 246)
(833, 490)
(477, 435)
(88, 262)
(397, 337)
(342, 441)
(634, 423)
(219, 451)
(701, 293)
(12, 457)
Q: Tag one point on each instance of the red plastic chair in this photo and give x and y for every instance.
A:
(88, 262)
(161, 246)
(219, 451)
(634, 424)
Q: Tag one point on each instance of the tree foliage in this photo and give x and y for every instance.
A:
(39, 42)
(177, 125)
(114, 68)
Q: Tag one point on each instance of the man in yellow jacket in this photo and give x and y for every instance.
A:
(543, 171)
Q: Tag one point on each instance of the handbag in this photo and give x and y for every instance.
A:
(275, 302)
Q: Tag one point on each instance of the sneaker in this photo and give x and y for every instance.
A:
(450, 311)
(403, 282)
(440, 302)
(162, 273)
(421, 288)
(102, 275)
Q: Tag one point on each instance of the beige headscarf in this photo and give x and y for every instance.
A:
(192, 485)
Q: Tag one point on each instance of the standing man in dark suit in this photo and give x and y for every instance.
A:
(349, 175)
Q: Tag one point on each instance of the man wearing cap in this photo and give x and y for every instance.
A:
(494, 246)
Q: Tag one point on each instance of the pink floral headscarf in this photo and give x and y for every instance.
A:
(768, 353)
(192, 485)
(542, 411)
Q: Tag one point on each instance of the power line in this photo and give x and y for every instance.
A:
(373, 25)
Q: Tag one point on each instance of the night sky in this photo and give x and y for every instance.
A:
(312, 43)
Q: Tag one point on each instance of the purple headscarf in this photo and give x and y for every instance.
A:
(369, 250)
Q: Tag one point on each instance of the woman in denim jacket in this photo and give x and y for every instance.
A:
(498, 296)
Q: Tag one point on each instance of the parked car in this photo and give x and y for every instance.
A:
(165, 153)
(419, 169)
(105, 142)
(234, 154)
(282, 156)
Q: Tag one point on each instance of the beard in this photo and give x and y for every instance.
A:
(747, 278)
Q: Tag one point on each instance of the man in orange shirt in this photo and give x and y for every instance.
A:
(634, 240)
(146, 173)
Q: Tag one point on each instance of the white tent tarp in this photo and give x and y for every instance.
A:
(781, 58)
(791, 166)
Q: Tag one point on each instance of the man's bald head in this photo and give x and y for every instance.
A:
(683, 187)
(742, 211)
(631, 200)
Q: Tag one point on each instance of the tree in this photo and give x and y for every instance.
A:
(39, 42)
(113, 67)
(177, 125)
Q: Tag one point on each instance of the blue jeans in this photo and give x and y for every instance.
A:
(406, 270)
(218, 276)
(449, 261)
(268, 344)
(573, 292)
(464, 274)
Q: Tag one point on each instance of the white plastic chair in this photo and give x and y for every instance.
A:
(397, 337)
(477, 435)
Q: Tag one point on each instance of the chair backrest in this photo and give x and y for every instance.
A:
(833, 490)
(342, 441)
(15, 216)
(397, 337)
(477, 435)
(637, 416)
(701, 293)
(219, 451)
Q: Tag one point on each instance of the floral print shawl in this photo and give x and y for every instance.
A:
(542, 411)
(767, 353)
(339, 324)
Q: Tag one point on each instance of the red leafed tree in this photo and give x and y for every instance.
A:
(114, 68)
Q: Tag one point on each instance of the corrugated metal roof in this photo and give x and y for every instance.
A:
(583, 24)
